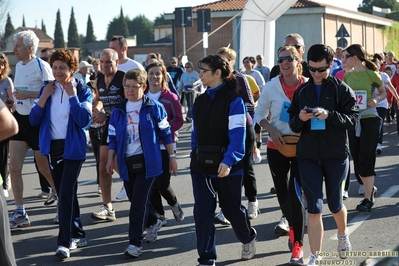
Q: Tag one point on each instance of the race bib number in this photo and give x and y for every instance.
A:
(22, 102)
(284, 115)
(361, 99)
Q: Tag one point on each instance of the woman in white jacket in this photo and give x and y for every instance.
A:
(271, 114)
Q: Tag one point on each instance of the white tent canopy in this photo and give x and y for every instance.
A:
(258, 28)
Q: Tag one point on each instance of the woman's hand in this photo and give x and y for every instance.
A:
(276, 136)
(373, 102)
(69, 88)
(173, 165)
(305, 115)
(110, 167)
(223, 170)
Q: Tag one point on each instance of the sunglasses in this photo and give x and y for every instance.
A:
(44, 58)
(283, 58)
(258, 58)
(318, 69)
(348, 55)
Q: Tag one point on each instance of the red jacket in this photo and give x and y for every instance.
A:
(395, 84)
(172, 106)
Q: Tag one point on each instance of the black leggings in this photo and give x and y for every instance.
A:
(289, 194)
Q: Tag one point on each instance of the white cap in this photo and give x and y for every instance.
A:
(84, 64)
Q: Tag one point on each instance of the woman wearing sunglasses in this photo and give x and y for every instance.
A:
(322, 110)
(274, 102)
(369, 89)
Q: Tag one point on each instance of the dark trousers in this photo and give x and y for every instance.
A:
(65, 175)
(4, 160)
(189, 96)
(288, 189)
(228, 190)
(7, 257)
(44, 184)
(249, 173)
(95, 139)
(141, 215)
(382, 112)
(163, 187)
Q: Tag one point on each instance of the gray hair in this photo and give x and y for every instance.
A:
(295, 35)
(112, 52)
(28, 38)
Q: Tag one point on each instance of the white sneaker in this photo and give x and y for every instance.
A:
(6, 193)
(78, 243)
(282, 228)
(62, 252)
(152, 232)
(343, 245)
(361, 190)
(257, 156)
(104, 214)
(253, 209)
(99, 190)
(379, 148)
(177, 212)
(248, 250)
(220, 219)
(133, 251)
(162, 218)
(122, 194)
(345, 195)
(313, 259)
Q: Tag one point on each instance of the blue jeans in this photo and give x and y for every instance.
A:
(65, 175)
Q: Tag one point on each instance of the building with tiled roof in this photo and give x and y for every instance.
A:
(316, 22)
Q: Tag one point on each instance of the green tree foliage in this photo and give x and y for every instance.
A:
(90, 37)
(367, 5)
(23, 21)
(58, 33)
(160, 20)
(43, 27)
(9, 28)
(73, 36)
(143, 28)
(118, 26)
(392, 33)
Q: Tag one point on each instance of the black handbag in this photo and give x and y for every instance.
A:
(135, 164)
(210, 155)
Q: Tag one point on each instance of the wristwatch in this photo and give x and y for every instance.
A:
(173, 155)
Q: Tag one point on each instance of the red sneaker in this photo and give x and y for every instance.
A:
(297, 254)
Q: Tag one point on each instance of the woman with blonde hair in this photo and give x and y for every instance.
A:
(274, 101)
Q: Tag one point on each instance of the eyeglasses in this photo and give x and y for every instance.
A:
(318, 69)
(348, 55)
(203, 70)
(283, 58)
(44, 58)
(132, 87)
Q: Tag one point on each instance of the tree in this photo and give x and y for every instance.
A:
(118, 26)
(73, 36)
(367, 5)
(160, 20)
(58, 33)
(9, 28)
(143, 28)
(90, 37)
(43, 27)
(23, 21)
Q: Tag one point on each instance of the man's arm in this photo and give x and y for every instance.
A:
(8, 124)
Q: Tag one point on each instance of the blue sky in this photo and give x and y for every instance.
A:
(101, 14)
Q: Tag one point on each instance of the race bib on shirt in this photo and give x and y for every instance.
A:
(316, 124)
(361, 99)
(284, 116)
(25, 102)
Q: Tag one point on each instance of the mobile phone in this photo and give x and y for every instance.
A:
(309, 110)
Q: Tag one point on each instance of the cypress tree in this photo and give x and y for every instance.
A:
(90, 37)
(9, 28)
(58, 33)
(73, 36)
(23, 21)
(43, 27)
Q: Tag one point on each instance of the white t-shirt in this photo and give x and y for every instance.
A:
(154, 96)
(385, 78)
(133, 145)
(130, 64)
(59, 112)
(30, 76)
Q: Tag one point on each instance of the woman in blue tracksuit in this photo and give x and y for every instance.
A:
(136, 126)
(63, 110)
(218, 146)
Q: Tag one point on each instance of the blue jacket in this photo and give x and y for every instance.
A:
(79, 118)
(153, 126)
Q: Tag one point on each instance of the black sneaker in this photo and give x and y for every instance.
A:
(273, 190)
(365, 205)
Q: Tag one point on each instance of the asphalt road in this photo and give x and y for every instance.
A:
(176, 245)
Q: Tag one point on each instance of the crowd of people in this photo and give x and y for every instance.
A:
(133, 112)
